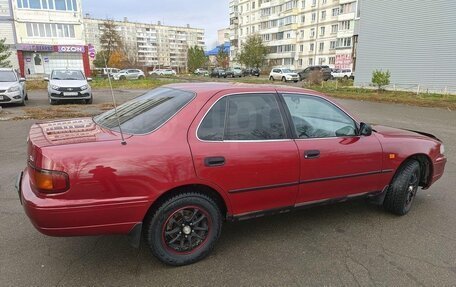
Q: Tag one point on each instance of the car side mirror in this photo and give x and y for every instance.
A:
(46, 79)
(89, 79)
(365, 129)
(21, 80)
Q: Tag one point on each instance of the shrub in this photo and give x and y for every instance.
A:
(380, 78)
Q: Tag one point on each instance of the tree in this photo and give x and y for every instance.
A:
(117, 60)
(380, 78)
(110, 39)
(253, 52)
(4, 54)
(222, 57)
(195, 58)
(100, 59)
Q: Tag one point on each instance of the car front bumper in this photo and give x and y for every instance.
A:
(59, 95)
(11, 98)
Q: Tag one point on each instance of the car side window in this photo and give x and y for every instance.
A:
(314, 117)
(254, 117)
(213, 125)
(243, 118)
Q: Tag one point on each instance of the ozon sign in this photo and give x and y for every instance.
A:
(71, 49)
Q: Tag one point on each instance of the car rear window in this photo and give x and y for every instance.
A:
(147, 112)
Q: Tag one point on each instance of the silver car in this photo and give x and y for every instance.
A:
(65, 85)
(129, 74)
(12, 87)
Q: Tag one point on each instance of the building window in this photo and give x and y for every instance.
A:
(311, 61)
(323, 15)
(324, 2)
(345, 25)
(335, 12)
(41, 30)
(332, 45)
(322, 31)
(344, 42)
(321, 47)
(332, 60)
(60, 5)
(334, 28)
(314, 17)
(321, 61)
(312, 32)
(311, 47)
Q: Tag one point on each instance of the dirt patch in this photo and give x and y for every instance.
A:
(68, 111)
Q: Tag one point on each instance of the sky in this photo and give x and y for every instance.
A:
(211, 15)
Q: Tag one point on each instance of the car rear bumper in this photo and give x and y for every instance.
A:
(59, 217)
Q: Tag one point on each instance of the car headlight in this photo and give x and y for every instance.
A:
(54, 87)
(85, 87)
(442, 149)
(13, 89)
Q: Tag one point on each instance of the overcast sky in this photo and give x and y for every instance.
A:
(210, 15)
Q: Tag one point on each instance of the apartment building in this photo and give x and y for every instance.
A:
(298, 33)
(7, 30)
(152, 45)
(49, 35)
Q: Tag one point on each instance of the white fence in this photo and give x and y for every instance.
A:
(415, 88)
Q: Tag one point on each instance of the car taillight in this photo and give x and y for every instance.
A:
(48, 181)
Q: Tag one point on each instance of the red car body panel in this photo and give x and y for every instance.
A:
(112, 186)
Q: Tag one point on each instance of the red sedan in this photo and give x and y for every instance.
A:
(195, 155)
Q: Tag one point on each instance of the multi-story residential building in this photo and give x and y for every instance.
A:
(223, 36)
(152, 45)
(7, 30)
(49, 35)
(298, 33)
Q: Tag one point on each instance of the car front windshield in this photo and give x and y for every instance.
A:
(68, 75)
(147, 112)
(287, 71)
(7, 76)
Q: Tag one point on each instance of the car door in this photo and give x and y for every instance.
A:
(335, 162)
(240, 143)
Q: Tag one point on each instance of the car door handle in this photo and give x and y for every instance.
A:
(214, 161)
(311, 154)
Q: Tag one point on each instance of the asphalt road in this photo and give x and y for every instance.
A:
(347, 244)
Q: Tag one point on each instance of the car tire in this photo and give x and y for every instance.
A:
(284, 79)
(271, 78)
(173, 219)
(26, 97)
(89, 101)
(345, 78)
(53, 102)
(22, 103)
(403, 188)
(141, 77)
(122, 78)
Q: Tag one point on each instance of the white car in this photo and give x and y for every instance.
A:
(163, 72)
(129, 74)
(284, 75)
(68, 85)
(342, 74)
(12, 87)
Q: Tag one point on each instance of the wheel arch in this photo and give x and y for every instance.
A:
(204, 189)
(425, 165)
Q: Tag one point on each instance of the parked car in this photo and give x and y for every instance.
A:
(107, 72)
(163, 72)
(201, 72)
(68, 85)
(218, 73)
(129, 74)
(284, 75)
(13, 89)
(324, 71)
(255, 72)
(234, 72)
(195, 155)
(342, 74)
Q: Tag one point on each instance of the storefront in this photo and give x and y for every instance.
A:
(42, 59)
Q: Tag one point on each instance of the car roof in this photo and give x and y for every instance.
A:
(208, 89)
(7, 69)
